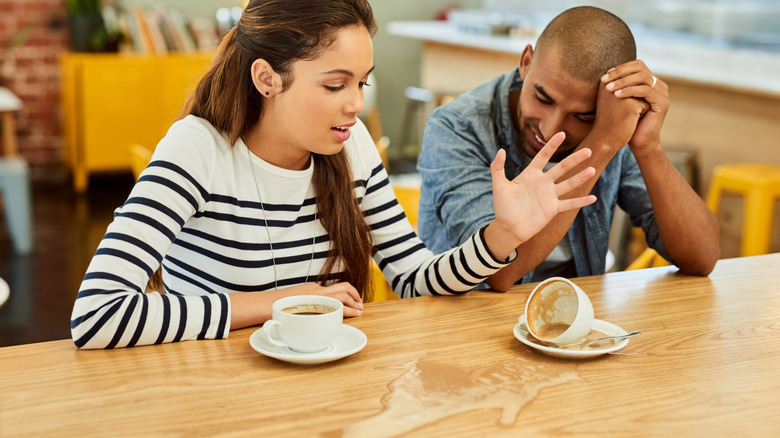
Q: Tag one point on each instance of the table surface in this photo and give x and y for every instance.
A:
(707, 364)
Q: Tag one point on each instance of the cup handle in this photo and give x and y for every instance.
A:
(271, 332)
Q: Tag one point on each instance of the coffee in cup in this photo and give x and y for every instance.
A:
(558, 312)
(304, 323)
(309, 309)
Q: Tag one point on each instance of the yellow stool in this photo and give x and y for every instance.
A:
(409, 198)
(760, 186)
(648, 259)
(139, 158)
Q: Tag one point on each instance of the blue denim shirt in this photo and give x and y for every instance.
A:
(461, 139)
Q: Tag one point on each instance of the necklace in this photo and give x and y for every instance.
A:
(268, 232)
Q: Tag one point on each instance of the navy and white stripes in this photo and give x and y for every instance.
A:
(195, 209)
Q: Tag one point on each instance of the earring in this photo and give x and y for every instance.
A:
(267, 93)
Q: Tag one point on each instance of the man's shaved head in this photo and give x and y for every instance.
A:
(589, 41)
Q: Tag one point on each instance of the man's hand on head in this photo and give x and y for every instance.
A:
(634, 80)
(616, 118)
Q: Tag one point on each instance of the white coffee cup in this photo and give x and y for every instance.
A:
(304, 323)
(558, 312)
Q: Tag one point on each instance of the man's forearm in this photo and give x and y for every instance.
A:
(615, 123)
(687, 227)
(531, 253)
(534, 251)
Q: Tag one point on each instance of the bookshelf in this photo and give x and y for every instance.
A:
(160, 30)
(112, 101)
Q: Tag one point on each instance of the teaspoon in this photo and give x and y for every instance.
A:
(627, 335)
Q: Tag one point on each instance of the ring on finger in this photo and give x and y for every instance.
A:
(654, 81)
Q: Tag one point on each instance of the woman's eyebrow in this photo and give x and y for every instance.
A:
(345, 72)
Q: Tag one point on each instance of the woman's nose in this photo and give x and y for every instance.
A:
(355, 103)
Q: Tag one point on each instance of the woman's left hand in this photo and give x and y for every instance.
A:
(529, 202)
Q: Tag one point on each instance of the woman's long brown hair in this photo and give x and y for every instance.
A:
(282, 32)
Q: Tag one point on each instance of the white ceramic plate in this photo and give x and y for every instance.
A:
(349, 341)
(522, 334)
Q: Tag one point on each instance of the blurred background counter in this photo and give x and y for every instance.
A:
(446, 47)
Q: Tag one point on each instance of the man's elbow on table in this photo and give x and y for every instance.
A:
(699, 256)
(702, 265)
(500, 282)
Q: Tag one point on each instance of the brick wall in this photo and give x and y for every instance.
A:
(31, 71)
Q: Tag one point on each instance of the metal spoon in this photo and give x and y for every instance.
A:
(627, 335)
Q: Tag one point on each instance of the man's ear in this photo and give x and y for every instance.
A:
(525, 60)
(265, 79)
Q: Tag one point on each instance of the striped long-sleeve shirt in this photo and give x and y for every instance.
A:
(197, 211)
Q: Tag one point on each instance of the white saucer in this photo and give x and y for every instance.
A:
(349, 341)
(522, 334)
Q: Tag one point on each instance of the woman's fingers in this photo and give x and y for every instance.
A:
(350, 312)
(349, 296)
(576, 181)
(344, 292)
(570, 204)
(497, 166)
(544, 155)
(569, 163)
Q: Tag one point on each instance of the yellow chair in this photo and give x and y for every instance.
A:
(381, 146)
(760, 185)
(648, 259)
(409, 198)
(139, 158)
(370, 114)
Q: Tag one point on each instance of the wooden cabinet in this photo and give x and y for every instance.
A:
(112, 101)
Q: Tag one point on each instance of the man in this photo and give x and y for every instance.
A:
(583, 79)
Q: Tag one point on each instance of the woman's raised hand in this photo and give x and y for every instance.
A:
(529, 202)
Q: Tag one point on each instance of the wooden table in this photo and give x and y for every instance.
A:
(707, 364)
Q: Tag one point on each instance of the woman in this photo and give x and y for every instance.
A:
(272, 187)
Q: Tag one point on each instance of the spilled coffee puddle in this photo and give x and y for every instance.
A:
(429, 392)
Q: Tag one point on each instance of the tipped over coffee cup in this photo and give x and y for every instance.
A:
(558, 312)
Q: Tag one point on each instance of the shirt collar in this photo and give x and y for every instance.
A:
(507, 135)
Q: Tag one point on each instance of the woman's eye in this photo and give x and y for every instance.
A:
(364, 84)
(334, 89)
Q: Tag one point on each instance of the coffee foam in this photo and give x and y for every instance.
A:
(309, 308)
(548, 315)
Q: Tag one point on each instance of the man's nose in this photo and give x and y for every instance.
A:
(552, 124)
